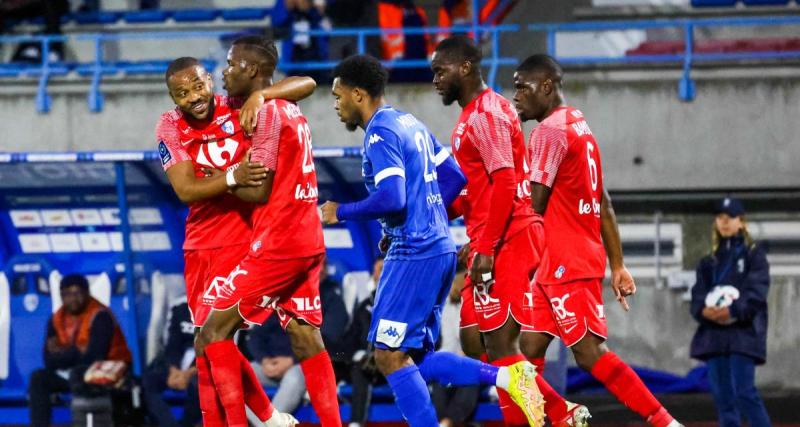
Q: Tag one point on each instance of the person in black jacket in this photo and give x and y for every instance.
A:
(174, 368)
(729, 301)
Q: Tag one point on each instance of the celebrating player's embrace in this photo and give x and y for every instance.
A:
(539, 220)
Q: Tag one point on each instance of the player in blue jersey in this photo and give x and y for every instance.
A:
(411, 178)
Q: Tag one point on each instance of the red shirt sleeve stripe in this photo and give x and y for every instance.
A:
(548, 147)
(267, 136)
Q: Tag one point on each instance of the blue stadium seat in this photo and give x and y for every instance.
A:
(86, 70)
(714, 3)
(146, 16)
(9, 70)
(195, 15)
(100, 17)
(245, 13)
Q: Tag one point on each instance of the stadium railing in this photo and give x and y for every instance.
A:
(686, 86)
(99, 68)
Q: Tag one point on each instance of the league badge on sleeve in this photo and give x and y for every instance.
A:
(163, 151)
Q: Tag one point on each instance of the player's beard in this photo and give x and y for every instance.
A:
(450, 95)
(351, 126)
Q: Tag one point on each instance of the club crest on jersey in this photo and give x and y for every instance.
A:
(163, 151)
(560, 272)
(374, 138)
(256, 246)
(227, 127)
(457, 142)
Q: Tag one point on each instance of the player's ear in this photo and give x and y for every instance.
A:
(358, 95)
(466, 68)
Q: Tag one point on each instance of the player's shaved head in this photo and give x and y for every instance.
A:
(363, 71)
(180, 64)
(261, 47)
(459, 49)
(545, 66)
(537, 87)
(190, 87)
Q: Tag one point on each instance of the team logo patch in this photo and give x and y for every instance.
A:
(560, 271)
(256, 246)
(374, 138)
(391, 333)
(457, 143)
(163, 151)
(227, 127)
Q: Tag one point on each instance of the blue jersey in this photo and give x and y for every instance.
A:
(397, 144)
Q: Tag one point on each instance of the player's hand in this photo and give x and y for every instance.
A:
(329, 213)
(248, 115)
(383, 245)
(482, 268)
(249, 174)
(463, 255)
(211, 172)
(623, 284)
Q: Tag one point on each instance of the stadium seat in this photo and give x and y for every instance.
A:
(100, 17)
(713, 3)
(195, 15)
(86, 70)
(99, 288)
(146, 16)
(245, 14)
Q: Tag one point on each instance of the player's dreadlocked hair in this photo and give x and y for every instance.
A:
(180, 64)
(364, 72)
(544, 64)
(460, 48)
(262, 46)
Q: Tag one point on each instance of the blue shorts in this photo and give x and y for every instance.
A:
(409, 300)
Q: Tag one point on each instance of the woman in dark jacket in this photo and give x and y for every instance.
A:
(729, 301)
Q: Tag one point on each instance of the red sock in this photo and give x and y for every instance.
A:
(254, 396)
(226, 372)
(554, 405)
(627, 387)
(512, 414)
(210, 406)
(321, 385)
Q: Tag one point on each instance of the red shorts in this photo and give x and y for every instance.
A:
(569, 310)
(204, 272)
(289, 287)
(489, 305)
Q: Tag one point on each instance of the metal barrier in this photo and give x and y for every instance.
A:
(686, 86)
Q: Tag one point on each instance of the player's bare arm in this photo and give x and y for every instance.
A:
(257, 194)
(190, 188)
(540, 195)
(290, 88)
(621, 279)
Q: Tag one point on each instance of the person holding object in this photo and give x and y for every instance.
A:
(729, 301)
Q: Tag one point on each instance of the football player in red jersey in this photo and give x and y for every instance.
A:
(281, 270)
(203, 133)
(506, 236)
(580, 230)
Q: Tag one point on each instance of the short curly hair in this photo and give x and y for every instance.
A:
(363, 71)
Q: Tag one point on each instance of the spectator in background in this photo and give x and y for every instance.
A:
(352, 14)
(94, 5)
(274, 364)
(454, 405)
(729, 301)
(362, 369)
(50, 10)
(174, 368)
(334, 316)
(81, 332)
(404, 14)
(291, 21)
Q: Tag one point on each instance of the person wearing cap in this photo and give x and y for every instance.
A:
(81, 332)
(729, 301)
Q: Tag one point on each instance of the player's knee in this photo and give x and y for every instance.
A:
(205, 337)
(389, 361)
(471, 343)
(533, 345)
(306, 340)
(587, 352)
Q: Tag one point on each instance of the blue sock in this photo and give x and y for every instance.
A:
(412, 397)
(450, 369)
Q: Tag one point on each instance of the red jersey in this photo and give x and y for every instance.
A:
(223, 220)
(565, 157)
(288, 225)
(489, 137)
